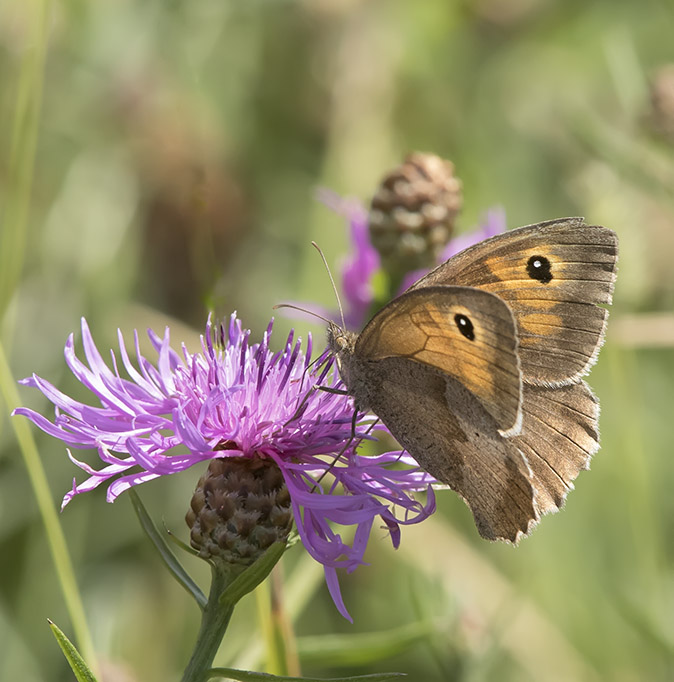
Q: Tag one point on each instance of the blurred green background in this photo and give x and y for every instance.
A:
(158, 159)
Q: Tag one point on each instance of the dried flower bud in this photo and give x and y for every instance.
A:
(412, 213)
(240, 507)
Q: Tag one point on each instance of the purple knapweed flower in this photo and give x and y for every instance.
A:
(234, 399)
(361, 264)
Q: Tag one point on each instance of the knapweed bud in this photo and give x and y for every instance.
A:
(412, 213)
(240, 507)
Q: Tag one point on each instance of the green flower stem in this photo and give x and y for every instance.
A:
(272, 656)
(275, 627)
(54, 531)
(214, 621)
(282, 624)
(23, 143)
(389, 288)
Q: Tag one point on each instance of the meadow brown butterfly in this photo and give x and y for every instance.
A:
(477, 368)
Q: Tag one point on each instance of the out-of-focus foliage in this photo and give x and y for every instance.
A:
(179, 149)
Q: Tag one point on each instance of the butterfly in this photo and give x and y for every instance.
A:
(477, 369)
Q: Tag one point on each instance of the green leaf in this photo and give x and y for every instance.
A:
(76, 662)
(248, 580)
(177, 541)
(172, 563)
(248, 676)
(365, 647)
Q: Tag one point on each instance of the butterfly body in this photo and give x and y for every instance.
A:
(476, 369)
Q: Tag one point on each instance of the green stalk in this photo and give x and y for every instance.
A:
(284, 633)
(280, 648)
(214, 621)
(22, 155)
(272, 656)
(55, 537)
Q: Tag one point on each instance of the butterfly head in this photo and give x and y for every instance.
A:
(340, 341)
(342, 344)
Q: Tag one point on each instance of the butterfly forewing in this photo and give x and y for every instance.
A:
(553, 276)
(463, 333)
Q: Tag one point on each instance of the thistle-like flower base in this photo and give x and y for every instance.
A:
(241, 506)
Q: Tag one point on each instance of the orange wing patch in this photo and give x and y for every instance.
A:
(424, 326)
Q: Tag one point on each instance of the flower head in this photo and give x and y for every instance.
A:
(237, 399)
(362, 263)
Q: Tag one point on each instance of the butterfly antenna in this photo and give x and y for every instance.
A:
(332, 281)
(302, 310)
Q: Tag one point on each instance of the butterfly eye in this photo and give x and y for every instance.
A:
(538, 267)
(465, 326)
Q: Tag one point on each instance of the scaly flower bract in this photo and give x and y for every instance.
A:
(493, 222)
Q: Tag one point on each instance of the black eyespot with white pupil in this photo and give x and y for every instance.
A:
(465, 326)
(538, 267)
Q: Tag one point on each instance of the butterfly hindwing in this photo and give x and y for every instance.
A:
(559, 436)
(452, 437)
